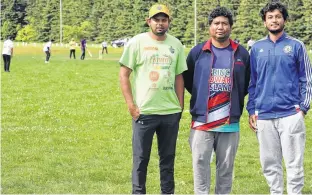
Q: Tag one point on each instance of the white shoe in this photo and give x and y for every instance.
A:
(46, 62)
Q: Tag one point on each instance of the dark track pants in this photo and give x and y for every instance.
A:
(83, 54)
(48, 54)
(104, 48)
(72, 52)
(166, 128)
(6, 62)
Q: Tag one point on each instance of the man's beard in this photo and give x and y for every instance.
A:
(276, 31)
(159, 34)
(223, 39)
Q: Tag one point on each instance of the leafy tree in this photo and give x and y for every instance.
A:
(233, 5)
(13, 14)
(181, 17)
(294, 25)
(27, 33)
(248, 22)
(7, 29)
(307, 22)
(70, 32)
(99, 20)
(204, 8)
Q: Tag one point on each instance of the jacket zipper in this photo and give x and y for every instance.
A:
(274, 70)
(232, 83)
(210, 68)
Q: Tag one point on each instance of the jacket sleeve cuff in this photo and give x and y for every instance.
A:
(251, 112)
(304, 109)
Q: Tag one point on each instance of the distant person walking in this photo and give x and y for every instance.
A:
(47, 50)
(104, 47)
(7, 53)
(72, 48)
(83, 45)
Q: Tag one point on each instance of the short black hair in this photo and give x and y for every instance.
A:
(221, 11)
(271, 6)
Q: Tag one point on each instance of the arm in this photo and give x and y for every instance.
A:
(305, 79)
(251, 91)
(179, 89)
(252, 84)
(189, 74)
(247, 74)
(125, 86)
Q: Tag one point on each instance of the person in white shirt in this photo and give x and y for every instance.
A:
(47, 50)
(104, 46)
(250, 43)
(7, 53)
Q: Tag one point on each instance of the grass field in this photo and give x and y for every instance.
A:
(66, 130)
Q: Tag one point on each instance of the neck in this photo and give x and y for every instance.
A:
(275, 37)
(219, 44)
(157, 38)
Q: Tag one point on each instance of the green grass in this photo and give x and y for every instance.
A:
(66, 129)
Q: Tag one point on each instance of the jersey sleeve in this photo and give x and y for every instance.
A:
(305, 78)
(129, 55)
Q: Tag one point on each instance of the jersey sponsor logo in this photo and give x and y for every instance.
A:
(261, 50)
(287, 49)
(150, 48)
(161, 60)
(154, 86)
(154, 76)
(171, 49)
(220, 80)
(167, 88)
(221, 72)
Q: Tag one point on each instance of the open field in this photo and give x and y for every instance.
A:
(66, 130)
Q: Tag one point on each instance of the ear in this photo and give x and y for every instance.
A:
(148, 21)
(264, 24)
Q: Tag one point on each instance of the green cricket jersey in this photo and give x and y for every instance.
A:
(155, 65)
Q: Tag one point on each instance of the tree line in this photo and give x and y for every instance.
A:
(98, 20)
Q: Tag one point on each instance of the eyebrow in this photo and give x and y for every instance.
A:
(274, 14)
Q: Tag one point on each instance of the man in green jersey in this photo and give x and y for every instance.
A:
(155, 98)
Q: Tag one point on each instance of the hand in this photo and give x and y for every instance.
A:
(253, 122)
(134, 111)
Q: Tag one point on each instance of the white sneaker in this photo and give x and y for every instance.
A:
(46, 62)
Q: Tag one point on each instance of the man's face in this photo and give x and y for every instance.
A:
(159, 24)
(274, 21)
(220, 29)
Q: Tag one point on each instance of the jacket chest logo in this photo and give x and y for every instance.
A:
(239, 62)
(287, 49)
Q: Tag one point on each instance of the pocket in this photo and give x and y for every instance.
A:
(260, 124)
(136, 120)
(297, 126)
(179, 115)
